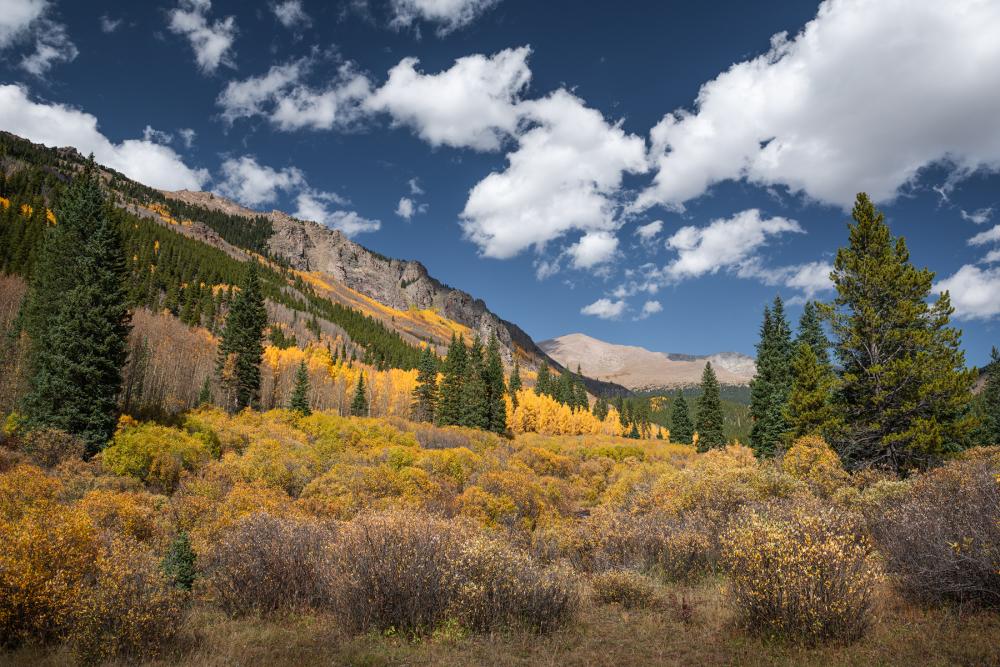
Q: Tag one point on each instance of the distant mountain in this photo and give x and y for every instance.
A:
(640, 369)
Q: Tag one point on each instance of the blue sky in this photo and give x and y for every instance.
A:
(649, 173)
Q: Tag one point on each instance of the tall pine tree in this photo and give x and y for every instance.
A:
(449, 408)
(543, 383)
(77, 319)
(681, 428)
(709, 422)
(426, 391)
(514, 385)
(300, 394)
(810, 408)
(771, 385)
(241, 347)
(811, 333)
(496, 407)
(989, 431)
(904, 388)
(359, 404)
(475, 399)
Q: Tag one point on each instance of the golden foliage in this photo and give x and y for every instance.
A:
(814, 462)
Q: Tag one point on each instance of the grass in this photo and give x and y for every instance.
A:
(701, 632)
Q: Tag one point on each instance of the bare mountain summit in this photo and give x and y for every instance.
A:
(639, 369)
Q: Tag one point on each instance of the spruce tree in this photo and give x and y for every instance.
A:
(709, 421)
(449, 408)
(514, 385)
(425, 393)
(300, 394)
(359, 404)
(241, 347)
(78, 321)
(811, 333)
(810, 408)
(770, 387)
(681, 428)
(904, 388)
(475, 404)
(989, 432)
(601, 408)
(205, 395)
(496, 407)
(544, 380)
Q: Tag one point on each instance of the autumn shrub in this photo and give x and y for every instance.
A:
(942, 539)
(47, 559)
(130, 612)
(811, 460)
(155, 454)
(497, 585)
(124, 513)
(627, 588)
(805, 574)
(48, 447)
(266, 564)
(436, 437)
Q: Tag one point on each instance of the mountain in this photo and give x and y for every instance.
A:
(640, 369)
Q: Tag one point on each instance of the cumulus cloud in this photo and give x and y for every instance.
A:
(288, 103)
(290, 14)
(17, 17)
(253, 184)
(316, 206)
(146, 161)
(651, 307)
(647, 233)
(24, 21)
(863, 98)
(592, 249)
(975, 292)
(108, 24)
(725, 244)
(52, 46)
(564, 175)
(212, 41)
(187, 136)
(604, 308)
(978, 217)
(989, 236)
(448, 15)
(414, 185)
(472, 104)
(408, 208)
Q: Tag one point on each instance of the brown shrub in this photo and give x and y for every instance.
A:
(49, 447)
(942, 540)
(266, 564)
(806, 574)
(436, 437)
(629, 589)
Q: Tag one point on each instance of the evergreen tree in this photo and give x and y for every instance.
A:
(300, 394)
(989, 398)
(475, 404)
(811, 333)
(359, 404)
(709, 422)
(425, 393)
(544, 380)
(78, 321)
(496, 407)
(205, 395)
(514, 385)
(903, 388)
(241, 347)
(770, 387)
(633, 432)
(681, 428)
(179, 563)
(449, 408)
(601, 408)
(810, 408)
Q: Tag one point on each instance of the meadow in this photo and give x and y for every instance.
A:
(286, 539)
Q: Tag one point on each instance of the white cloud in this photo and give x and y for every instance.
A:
(978, 217)
(212, 41)
(592, 249)
(414, 186)
(989, 236)
(187, 136)
(290, 14)
(156, 136)
(992, 256)
(58, 125)
(606, 309)
(449, 15)
(52, 46)
(863, 98)
(108, 24)
(408, 208)
(471, 104)
(648, 232)
(651, 307)
(289, 104)
(253, 184)
(725, 244)
(16, 16)
(563, 176)
(975, 292)
(315, 206)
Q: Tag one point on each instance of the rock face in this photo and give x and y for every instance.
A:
(640, 369)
